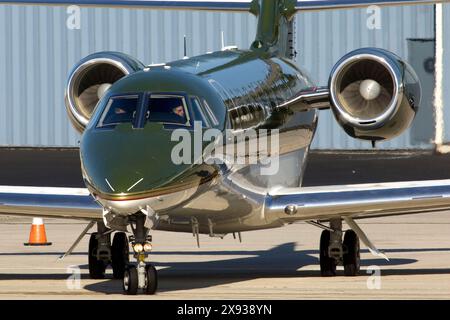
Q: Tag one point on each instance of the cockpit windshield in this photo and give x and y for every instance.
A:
(167, 109)
(171, 110)
(119, 110)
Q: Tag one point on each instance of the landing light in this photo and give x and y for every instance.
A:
(147, 247)
(138, 248)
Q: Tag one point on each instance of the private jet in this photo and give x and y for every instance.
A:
(128, 114)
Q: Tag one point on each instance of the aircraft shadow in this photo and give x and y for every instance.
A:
(58, 254)
(279, 262)
(40, 276)
(282, 261)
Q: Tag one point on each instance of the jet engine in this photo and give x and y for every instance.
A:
(90, 79)
(374, 94)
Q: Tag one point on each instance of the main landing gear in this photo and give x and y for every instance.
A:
(102, 253)
(334, 251)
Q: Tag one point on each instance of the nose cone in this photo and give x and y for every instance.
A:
(124, 162)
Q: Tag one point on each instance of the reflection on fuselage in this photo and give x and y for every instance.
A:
(129, 166)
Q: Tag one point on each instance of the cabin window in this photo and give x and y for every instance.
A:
(121, 109)
(167, 109)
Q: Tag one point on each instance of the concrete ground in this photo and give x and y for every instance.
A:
(271, 264)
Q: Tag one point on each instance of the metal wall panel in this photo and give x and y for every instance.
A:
(37, 51)
(446, 73)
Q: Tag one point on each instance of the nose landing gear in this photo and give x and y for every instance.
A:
(140, 275)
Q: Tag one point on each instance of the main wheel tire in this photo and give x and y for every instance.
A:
(352, 256)
(327, 263)
(96, 266)
(120, 254)
(130, 280)
(151, 279)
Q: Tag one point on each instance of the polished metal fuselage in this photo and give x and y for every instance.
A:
(233, 199)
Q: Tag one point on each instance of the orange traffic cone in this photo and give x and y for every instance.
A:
(37, 234)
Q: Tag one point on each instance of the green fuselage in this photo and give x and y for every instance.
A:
(241, 88)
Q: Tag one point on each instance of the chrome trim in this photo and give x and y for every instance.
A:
(319, 98)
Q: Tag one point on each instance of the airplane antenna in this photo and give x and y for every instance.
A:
(225, 48)
(185, 48)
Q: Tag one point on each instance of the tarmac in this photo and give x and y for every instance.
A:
(271, 264)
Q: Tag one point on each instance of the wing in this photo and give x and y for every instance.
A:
(211, 5)
(359, 201)
(217, 5)
(70, 203)
(311, 5)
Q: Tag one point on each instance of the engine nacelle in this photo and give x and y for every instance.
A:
(90, 79)
(374, 94)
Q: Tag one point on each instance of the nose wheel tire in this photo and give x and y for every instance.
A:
(151, 279)
(327, 263)
(352, 255)
(97, 267)
(120, 254)
(130, 280)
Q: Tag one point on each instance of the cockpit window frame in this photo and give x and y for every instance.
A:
(140, 120)
(212, 117)
(185, 100)
(104, 112)
(196, 102)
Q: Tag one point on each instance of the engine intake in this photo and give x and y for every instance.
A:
(90, 79)
(374, 94)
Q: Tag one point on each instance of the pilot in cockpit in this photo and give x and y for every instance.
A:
(179, 111)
